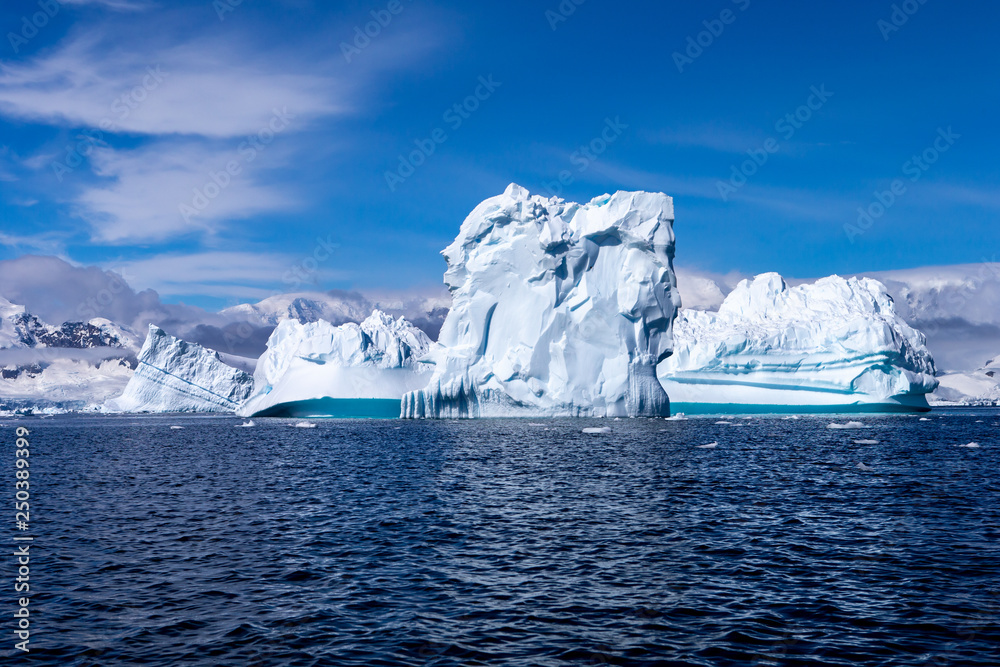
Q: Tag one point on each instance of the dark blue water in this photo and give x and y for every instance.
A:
(506, 543)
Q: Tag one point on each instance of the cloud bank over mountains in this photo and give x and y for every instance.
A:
(57, 291)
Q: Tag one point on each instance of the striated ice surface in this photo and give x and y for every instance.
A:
(176, 376)
(316, 364)
(835, 344)
(559, 309)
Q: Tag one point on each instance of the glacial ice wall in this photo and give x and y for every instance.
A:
(176, 376)
(834, 344)
(559, 309)
(308, 368)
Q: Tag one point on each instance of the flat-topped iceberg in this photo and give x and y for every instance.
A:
(353, 370)
(558, 310)
(835, 345)
(176, 376)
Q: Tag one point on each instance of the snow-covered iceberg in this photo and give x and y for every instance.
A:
(352, 370)
(176, 376)
(558, 309)
(834, 345)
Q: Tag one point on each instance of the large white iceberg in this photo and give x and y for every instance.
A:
(837, 344)
(352, 370)
(176, 376)
(558, 309)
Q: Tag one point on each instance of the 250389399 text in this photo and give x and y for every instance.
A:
(22, 547)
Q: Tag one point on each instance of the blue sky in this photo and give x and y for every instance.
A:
(113, 113)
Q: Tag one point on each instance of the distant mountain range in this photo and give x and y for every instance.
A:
(81, 363)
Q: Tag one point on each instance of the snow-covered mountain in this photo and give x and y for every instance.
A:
(348, 370)
(75, 365)
(303, 307)
(20, 329)
(834, 344)
(176, 376)
(559, 309)
(979, 387)
(337, 307)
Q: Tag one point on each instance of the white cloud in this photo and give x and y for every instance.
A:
(117, 5)
(147, 187)
(200, 87)
(223, 274)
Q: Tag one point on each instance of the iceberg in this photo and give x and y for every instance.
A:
(558, 309)
(353, 370)
(837, 345)
(176, 376)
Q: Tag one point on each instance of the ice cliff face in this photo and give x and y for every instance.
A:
(307, 366)
(834, 343)
(176, 376)
(558, 309)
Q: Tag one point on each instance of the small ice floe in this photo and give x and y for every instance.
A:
(711, 445)
(723, 423)
(979, 421)
(535, 424)
(924, 419)
(248, 424)
(971, 445)
(866, 442)
(846, 426)
(789, 417)
(176, 428)
(597, 430)
(305, 425)
(863, 468)
(679, 417)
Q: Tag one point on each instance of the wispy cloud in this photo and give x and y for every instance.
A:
(965, 195)
(206, 87)
(229, 275)
(117, 5)
(716, 138)
(146, 188)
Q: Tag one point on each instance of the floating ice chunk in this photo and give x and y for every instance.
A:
(723, 423)
(248, 424)
(866, 442)
(176, 376)
(848, 425)
(679, 417)
(924, 419)
(863, 468)
(602, 429)
(176, 428)
(971, 445)
(711, 445)
(318, 369)
(305, 425)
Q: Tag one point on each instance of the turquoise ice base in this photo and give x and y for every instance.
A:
(336, 408)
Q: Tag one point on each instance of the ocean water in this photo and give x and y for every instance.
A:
(514, 542)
